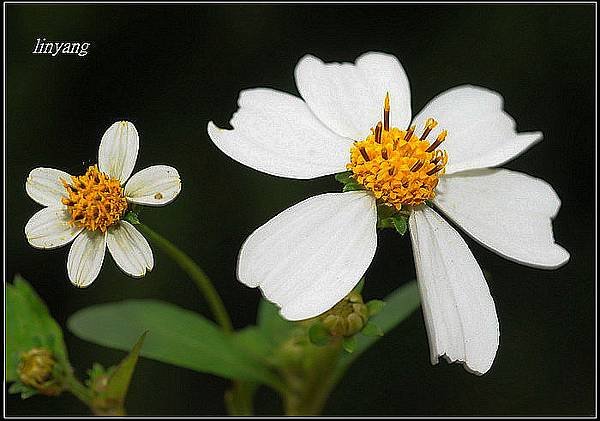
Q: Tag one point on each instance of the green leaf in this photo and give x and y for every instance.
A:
(375, 306)
(371, 329)
(349, 344)
(398, 306)
(118, 382)
(29, 325)
(176, 336)
(400, 223)
(318, 334)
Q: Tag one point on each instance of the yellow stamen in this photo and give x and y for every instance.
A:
(95, 201)
(397, 166)
(378, 132)
(386, 112)
(429, 126)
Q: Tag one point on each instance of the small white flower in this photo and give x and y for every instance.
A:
(90, 208)
(310, 256)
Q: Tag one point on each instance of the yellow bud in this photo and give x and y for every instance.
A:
(347, 317)
(35, 370)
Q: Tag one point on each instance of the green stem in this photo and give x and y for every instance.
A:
(79, 390)
(314, 384)
(195, 273)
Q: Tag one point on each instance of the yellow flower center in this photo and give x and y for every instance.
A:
(399, 167)
(95, 201)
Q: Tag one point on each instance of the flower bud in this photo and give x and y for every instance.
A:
(35, 370)
(347, 317)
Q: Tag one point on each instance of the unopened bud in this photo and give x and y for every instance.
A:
(347, 317)
(35, 370)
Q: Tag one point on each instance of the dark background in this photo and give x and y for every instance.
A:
(171, 69)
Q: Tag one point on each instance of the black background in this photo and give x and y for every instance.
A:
(172, 68)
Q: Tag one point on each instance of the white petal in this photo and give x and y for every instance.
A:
(480, 133)
(348, 98)
(311, 255)
(459, 311)
(43, 185)
(49, 228)
(153, 186)
(276, 133)
(86, 257)
(507, 211)
(118, 150)
(130, 249)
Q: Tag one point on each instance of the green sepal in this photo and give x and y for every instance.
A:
(132, 218)
(344, 177)
(350, 184)
(352, 187)
(318, 334)
(400, 223)
(96, 373)
(349, 344)
(385, 211)
(23, 389)
(371, 329)
(375, 306)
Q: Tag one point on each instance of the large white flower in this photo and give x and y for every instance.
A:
(311, 255)
(90, 208)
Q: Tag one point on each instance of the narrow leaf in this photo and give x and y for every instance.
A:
(118, 383)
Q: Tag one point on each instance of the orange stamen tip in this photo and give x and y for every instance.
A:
(430, 123)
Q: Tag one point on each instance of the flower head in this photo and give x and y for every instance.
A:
(90, 208)
(311, 255)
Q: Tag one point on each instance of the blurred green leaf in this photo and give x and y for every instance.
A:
(399, 305)
(29, 325)
(273, 327)
(255, 342)
(176, 336)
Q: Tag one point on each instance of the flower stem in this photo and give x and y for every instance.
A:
(78, 390)
(195, 273)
